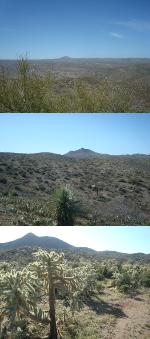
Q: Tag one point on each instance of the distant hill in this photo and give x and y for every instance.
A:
(32, 241)
(110, 68)
(82, 153)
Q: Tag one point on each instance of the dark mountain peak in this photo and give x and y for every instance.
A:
(82, 153)
(65, 57)
(30, 235)
(31, 240)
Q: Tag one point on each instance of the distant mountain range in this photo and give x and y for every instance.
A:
(112, 68)
(45, 242)
(82, 153)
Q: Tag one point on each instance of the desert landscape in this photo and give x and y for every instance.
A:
(75, 85)
(103, 189)
(106, 294)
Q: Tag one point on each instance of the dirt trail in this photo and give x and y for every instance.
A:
(135, 324)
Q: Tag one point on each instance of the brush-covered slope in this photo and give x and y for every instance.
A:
(115, 189)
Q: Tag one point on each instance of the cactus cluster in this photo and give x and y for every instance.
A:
(22, 290)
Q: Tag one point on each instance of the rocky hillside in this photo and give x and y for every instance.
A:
(115, 189)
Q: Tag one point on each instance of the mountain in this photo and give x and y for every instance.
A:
(32, 241)
(82, 153)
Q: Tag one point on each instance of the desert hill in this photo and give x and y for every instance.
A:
(30, 242)
(82, 153)
(114, 189)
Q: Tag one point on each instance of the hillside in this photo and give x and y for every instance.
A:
(113, 69)
(28, 243)
(113, 189)
(75, 85)
(31, 240)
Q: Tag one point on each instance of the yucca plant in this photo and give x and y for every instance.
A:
(65, 206)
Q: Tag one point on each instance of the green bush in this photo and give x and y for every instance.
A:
(145, 279)
(30, 91)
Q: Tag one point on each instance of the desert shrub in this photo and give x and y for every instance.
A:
(128, 279)
(3, 180)
(29, 91)
(99, 286)
(106, 270)
(145, 277)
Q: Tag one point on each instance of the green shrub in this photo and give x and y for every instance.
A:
(145, 279)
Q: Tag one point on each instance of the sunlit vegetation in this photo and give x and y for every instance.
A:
(55, 295)
(29, 90)
(106, 190)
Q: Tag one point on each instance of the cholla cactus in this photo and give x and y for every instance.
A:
(19, 290)
(54, 271)
(128, 279)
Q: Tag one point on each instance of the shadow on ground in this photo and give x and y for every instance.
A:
(101, 307)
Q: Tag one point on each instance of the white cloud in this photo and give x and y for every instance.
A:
(135, 24)
(116, 35)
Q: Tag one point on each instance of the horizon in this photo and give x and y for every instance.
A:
(81, 148)
(71, 57)
(105, 133)
(116, 30)
(124, 239)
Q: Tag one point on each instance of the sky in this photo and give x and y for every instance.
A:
(80, 28)
(59, 133)
(127, 239)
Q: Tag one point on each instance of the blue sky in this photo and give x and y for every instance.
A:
(59, 133)
(115, 238)
(80, 28)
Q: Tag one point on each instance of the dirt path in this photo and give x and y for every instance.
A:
(136, 324)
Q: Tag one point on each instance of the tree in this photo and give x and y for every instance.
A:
(65, 207)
